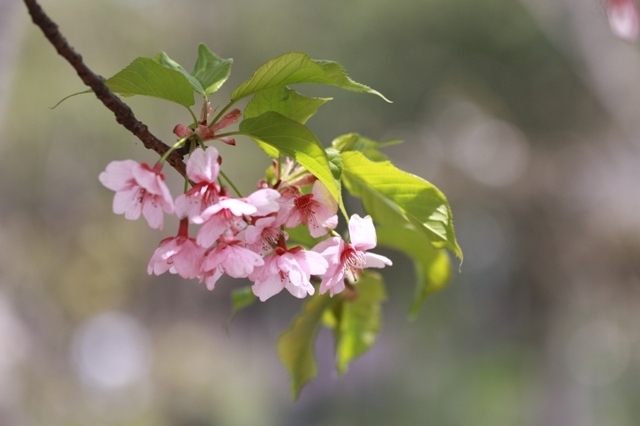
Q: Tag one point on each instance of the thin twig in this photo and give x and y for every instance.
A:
(123, 113)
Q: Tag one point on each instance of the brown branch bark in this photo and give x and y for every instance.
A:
(123, 113)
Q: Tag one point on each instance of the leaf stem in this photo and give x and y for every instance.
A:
(193, 115)
(226, 178)
(221, 113)
(175, 146)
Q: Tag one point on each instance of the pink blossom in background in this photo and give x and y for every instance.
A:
(316, 210)
(290, 269)
(345, 259)
(139, 190)
(623, 18)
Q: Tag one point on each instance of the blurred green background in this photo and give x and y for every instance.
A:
(525, 113)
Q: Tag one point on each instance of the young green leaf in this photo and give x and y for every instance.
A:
(146, 77)
(296, 67)
(296, 345)
(370, 148)
(163, 59)
(294, 140)
(285, 101)
(393, 197)
(358, 322)
(211, 70)
(432, 266)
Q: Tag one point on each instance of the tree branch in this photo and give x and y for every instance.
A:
(123, 113)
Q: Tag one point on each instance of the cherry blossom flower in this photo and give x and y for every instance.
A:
(203, 167)
(230, 257)
(290, 269)
(623, 18)
(227, 214)
(344, 259)
(139, 189)
(316, 210)
(179, 255)
(262, 236)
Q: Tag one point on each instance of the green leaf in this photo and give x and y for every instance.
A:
(295, 67)
(432, 266)
(296, 345)
(394, 197)
(211, 70)
(370, 148)
(285, 101)
(146, 77)
(294, 140)
(300, 236)
(335, 163)
(358, 322)
(242, 298)
(163, 59)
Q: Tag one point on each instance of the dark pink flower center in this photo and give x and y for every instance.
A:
(352, 258)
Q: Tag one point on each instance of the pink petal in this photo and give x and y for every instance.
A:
(188, 205)
(240, 262)
(362, 232)
(268, 288)
(210, 280)
(316, 263)
(265, 201)
(152, 211)
(146, 178)
(236, 206)
(373, 260)
(330, 249)
(322, 195)
(211, 231)
(334, 282)
(300, 291)
(203, 166)
(159, 261)
(188, 260)
(118, 175)
(128, 202)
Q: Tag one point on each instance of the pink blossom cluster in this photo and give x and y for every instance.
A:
(244, 237)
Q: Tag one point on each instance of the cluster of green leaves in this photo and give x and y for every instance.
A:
(411, 214)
